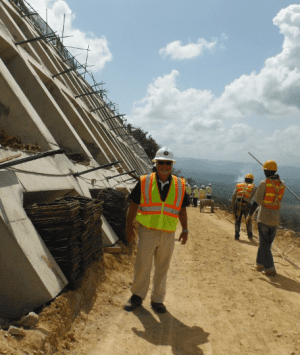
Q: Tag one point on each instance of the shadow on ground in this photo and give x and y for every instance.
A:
(169, 331)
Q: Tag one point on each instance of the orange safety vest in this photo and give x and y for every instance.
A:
(244, 190)
(274, 194)
(153, 212)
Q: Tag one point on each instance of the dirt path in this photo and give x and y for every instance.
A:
(216, 303)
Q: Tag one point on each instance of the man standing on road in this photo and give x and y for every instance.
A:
(188, 190)
(208, 191)
(202, 193)
(157, 202)
(241, 204)
(195, 196)
(268, 195)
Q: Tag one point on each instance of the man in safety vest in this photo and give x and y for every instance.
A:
(188, 190)
(195, 196)
(158, 201)
(202, 193)
(268, 195)
(208, 191)
(241, 204)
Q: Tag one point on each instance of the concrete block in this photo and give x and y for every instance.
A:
(109, 236)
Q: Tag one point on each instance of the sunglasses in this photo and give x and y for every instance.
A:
(160, 162)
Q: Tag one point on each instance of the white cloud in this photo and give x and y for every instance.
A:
(195, 123)
(99, 54)
(177, 51)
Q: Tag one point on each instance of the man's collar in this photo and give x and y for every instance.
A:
(169, 178)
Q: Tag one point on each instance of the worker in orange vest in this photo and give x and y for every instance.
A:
(241, 204)
(268, 196)
(157, 202)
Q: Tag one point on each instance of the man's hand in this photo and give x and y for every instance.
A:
(130, 233)
(183, 238)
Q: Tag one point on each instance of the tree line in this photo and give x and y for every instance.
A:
(151, 147)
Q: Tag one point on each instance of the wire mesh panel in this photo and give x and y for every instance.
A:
(115, 206)
(71, 229)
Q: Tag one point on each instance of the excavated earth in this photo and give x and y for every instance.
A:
(217, 304)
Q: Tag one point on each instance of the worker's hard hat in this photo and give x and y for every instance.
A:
(209, 184)
(202, 187)
(270, 165)
(249, 176)
(164, 153)
(195, 186)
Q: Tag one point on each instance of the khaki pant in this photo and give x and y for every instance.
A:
(157, 245)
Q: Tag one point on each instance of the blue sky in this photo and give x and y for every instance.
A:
(208, 79)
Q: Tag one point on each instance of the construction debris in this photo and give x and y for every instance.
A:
(14, 142)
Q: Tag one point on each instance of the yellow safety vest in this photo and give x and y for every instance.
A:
(244, 189)
(196, 193)
(153, 213)
(202, 194)
(274, 194)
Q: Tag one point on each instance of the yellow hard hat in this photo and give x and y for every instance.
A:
(249, 176)
(270, 165)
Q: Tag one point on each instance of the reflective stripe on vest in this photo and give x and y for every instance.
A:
(274, 194)
(244, 190)
(153, 212)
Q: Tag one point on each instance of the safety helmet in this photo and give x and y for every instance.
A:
(249, 176)
(202, 187)
(209, 184)
(270, 165)
(164, 153)
(196, 186)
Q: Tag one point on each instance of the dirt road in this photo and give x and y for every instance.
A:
(216, 303)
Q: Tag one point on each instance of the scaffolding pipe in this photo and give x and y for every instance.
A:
(35, 39)
(110, 118)
(31, 14)
(98, 84)
(35, 157)
(99, 108)
(98, 167)
(281, 182)
(111, 177)
(89, 93)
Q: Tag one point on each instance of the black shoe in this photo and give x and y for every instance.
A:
(250, 236)
(237, 237)
(133, 303)
(158, 307)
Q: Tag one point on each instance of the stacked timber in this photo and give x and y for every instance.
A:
(115, 207)
(71, 229)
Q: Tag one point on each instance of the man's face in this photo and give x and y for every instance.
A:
(164, 167)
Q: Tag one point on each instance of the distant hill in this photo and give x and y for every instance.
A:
(224, 175)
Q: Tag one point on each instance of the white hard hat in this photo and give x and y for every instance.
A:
(209, 184)
(164, 153)
(202, 187)
(195, 186)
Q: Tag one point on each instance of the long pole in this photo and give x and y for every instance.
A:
(282, 183)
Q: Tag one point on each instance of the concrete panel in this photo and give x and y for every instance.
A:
(109, 236)
(29, 275)
(17, 116)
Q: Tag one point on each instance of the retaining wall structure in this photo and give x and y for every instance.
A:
(51, 111)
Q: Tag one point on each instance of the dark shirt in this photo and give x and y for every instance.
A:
(135, 195)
